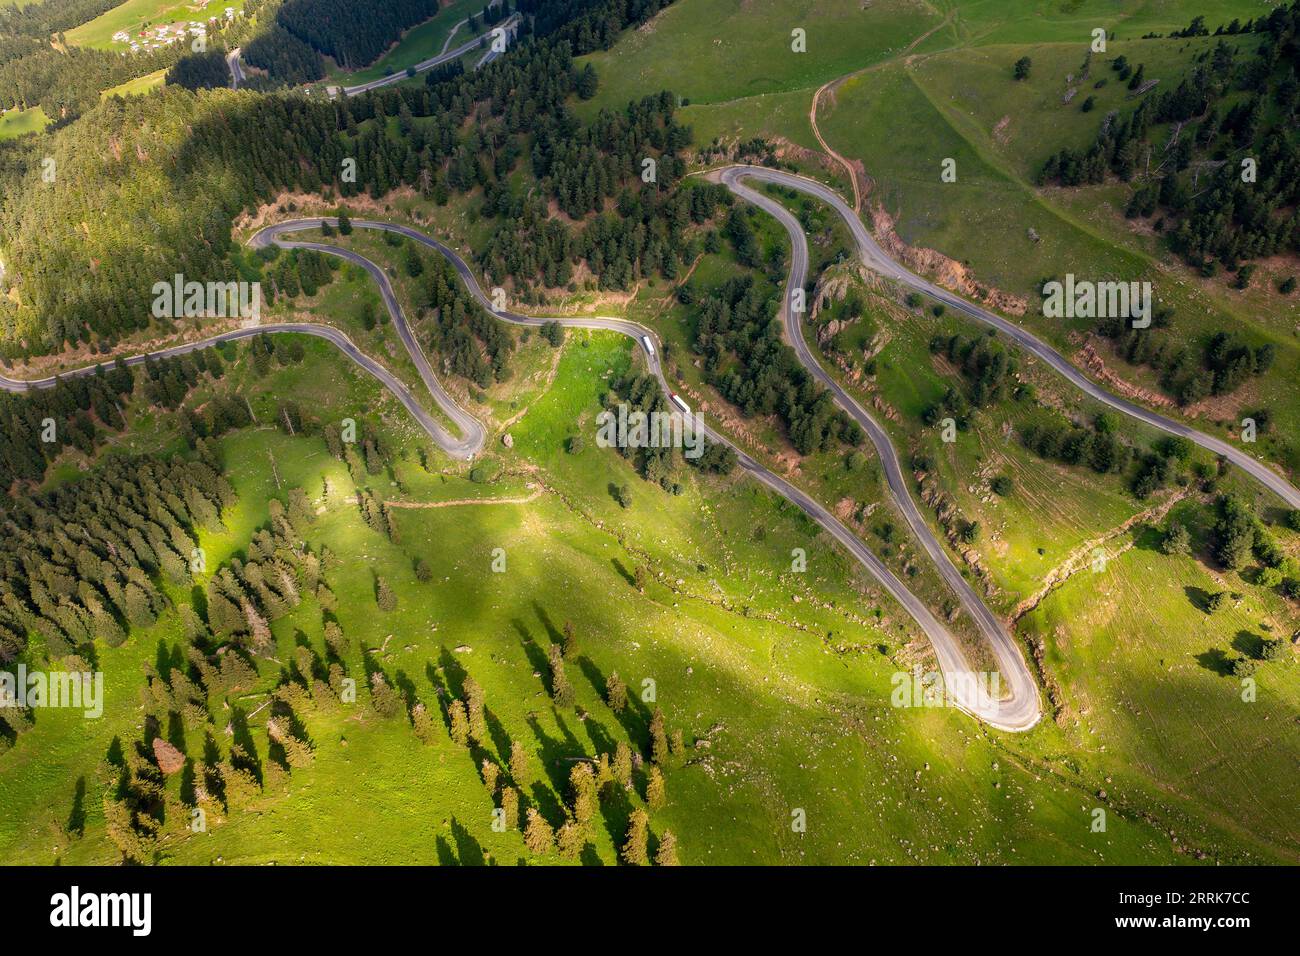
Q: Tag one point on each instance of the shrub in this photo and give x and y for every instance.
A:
(1244, 666)
(1273, 650)
(1176, 540)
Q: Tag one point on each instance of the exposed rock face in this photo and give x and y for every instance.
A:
(170, 760)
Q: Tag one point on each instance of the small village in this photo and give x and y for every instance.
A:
(157, 36)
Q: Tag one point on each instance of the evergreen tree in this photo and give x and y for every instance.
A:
(459, 723)
(666, 854)
(634, 850)
(615, 693)
(655, 795)
(538, 836)
(384, 596)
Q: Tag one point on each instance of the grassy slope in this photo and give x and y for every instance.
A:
(1142, 664)
(712, 51)
(790, 722)
(1100, 629)
(960, 106)
(134, 15)
(138, 86)
(14, 123)
(979, 22)
(418, 43)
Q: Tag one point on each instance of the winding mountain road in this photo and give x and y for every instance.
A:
(966, 691)
(446, 56)
(879, 261)
(1020, 710)
(1022, 706)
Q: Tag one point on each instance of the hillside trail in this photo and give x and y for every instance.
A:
(831, 85)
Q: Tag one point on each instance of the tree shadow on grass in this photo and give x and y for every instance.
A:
(1215, 660)
(406, 687)
(446, 856)
(544, 799)
(1147, 537)
(552, 751)
(601, 741)
(440, 692)
(1199, 597)
(497, 733)
(536, 658)
(468, 850)
(244, 737)
(551, 631)
(453, 672)
(176, 731)
(593, 675)
(1250, 645)
(623, 572)
(615, 811)
(76, 825)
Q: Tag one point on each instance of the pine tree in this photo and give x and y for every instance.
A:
(383, 697)
(616, 693)
(623, 764)
(634, 851)
(666, 854)
(538, 836)
(510, 807)
(422, 724)
(582, 786)
(459, 723)
(561, 689)
(518, 763)
(655, 795)
(491, 774)
(384, 595)
(658, 739)
(570, 840)
(474, 710)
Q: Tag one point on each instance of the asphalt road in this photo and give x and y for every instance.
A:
(1020, 709)
(327, 332)
(445, 57)
(879, 261)
(236, 69)
(1020, 712)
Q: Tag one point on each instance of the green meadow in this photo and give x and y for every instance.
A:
(418, 43)
(780, 682)
(15, 123)
(784, 706)
(136, 15)
(712, 51)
